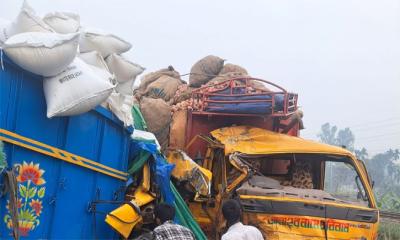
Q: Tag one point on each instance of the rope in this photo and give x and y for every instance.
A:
(201, 74)
(1, 59)
(11, 187)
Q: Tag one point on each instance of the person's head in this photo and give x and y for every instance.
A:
(231, 211)
(164, 212)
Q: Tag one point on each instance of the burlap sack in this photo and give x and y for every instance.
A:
(229, 67)
(164, 87)
(226, 76)
(163, 138)
(258, 85)
(183, 93)
(177, 135)
(151, 77)
(204, 70)
(157, 114)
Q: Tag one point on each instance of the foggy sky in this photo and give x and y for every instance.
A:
(341, 57)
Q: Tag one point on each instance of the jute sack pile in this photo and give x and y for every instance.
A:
(164, 87)
(204, 70)
(157, 114)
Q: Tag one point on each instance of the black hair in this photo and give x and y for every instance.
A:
(164, 212)
(231, 211)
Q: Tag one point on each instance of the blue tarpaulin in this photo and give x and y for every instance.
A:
(145, 149)
(236, 102)
(159, 166)
(163, 176)
(168, 192)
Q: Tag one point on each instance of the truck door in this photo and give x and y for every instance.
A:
(336, 206)
(349, 214)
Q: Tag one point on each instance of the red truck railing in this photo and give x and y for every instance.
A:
(225, 98)
(243, 96)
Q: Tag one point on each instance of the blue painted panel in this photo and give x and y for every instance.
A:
(62, 211)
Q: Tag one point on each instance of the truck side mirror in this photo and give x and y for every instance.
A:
(360, 194)
(370, 181)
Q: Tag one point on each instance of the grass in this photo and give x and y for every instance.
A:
(389, 230)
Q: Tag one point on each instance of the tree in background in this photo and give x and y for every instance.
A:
(342, 138)
(383, 168)
(361, 154)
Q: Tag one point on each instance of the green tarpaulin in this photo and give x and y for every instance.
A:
(185, 216)
(139, 161)
(138, 119)
(182, 211)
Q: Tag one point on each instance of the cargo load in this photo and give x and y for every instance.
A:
(157, 114)
(123, 69)
(76, 90)
(63, 22)
(102, 42)
(48, 47)
(164, 87)
(26, 21)
(153, 76)
(204, 70)
(3, 30)
(45, 54)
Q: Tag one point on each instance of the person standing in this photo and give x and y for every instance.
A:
(167, 229)
(237, 230)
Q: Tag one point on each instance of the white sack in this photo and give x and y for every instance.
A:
(46, 54)
(63, 22)
(4, 24)
(123, 69)
(27, 21)
(121, 105)
(94, 58)
(105, 44)
(125, 88)
(145, 136)
(104, 74)
(76, 90)
(98, 64)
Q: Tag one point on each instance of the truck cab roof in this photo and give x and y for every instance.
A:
(257, 141)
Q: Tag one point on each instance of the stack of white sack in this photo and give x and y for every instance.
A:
(26, 21)
(42, 53)
(63, 22)
(102, 49)
(76, 90)
(3, 30)
(121, 105)
(98, 65)
(121, 100)
(125, 72)
(81, 67)
(96, 45)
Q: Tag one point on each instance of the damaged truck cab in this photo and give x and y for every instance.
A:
(288, 187)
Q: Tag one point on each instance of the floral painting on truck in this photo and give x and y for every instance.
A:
(29, 204)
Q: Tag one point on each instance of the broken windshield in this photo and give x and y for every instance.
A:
(330, 176)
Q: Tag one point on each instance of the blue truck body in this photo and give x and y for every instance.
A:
(70, 170)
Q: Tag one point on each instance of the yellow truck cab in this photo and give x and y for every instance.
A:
(288, 187)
